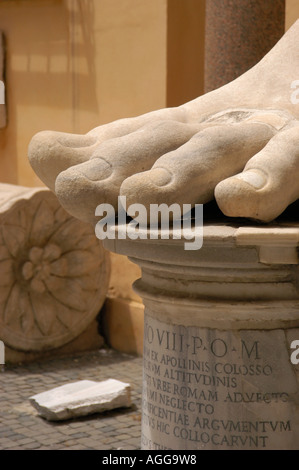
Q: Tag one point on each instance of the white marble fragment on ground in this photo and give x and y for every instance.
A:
(81, 398)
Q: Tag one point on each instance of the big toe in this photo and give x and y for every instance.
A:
(268, 184)
(51, 152)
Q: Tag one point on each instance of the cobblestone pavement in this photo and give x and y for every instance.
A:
(22, 428)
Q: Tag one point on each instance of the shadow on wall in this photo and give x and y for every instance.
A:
(50, 75)
(50, 47)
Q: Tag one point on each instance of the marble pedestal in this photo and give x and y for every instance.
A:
(219, 325)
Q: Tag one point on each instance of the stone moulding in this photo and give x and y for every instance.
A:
(276, 245)
(248, 274)
(54, 273)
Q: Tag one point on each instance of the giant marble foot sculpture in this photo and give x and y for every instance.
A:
(239, 144)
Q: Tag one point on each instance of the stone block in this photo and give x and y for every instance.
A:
(123, 325)
(89, 340)
(123, 274)
(81, 398)
(54, 272)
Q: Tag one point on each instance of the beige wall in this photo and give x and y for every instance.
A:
(292, 12)
(72, 65)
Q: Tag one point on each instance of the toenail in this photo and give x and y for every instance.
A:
(96, 169)
(160, 176)
(255, 178)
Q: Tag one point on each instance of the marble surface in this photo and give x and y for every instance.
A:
(81, 398)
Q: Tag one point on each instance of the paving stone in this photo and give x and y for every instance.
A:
(77, 447)
(32, 446)
(128, 447)
(75, 425)
(78, 435)
(5, 444)
(124, 437)
(109, 440)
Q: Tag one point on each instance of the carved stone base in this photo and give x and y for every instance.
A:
(217, 339)
(54, 273)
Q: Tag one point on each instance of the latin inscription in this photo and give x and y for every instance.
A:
(216, 389)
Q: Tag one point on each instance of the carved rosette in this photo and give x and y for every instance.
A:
(54, 272)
